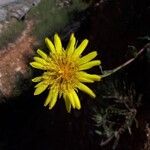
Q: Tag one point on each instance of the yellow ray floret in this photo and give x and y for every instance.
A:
(64, 72)
(87, 57)
(58, 45)
(71, 45)
(42, 54)
(50, 45)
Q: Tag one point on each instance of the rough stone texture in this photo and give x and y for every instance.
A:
(6, 2)
(3, 14)
(15, 8)
(14, 63)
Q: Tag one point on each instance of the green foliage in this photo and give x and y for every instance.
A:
(50, 18)
(115, 109)
(11, 33)
(78, 5)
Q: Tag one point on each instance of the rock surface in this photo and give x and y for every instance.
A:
(15, 8)
(3, 14)
(14, 63)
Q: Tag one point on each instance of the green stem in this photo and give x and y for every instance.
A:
(110, 72)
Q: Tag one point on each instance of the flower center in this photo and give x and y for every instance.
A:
(67, 71)
(64, 72)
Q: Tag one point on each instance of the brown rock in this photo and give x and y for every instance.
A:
(13, 62)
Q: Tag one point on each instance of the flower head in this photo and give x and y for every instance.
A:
(64, 72)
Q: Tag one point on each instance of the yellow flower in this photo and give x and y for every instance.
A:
(64, 72)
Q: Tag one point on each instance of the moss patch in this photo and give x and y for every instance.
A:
(50, 18)
(10, 33)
